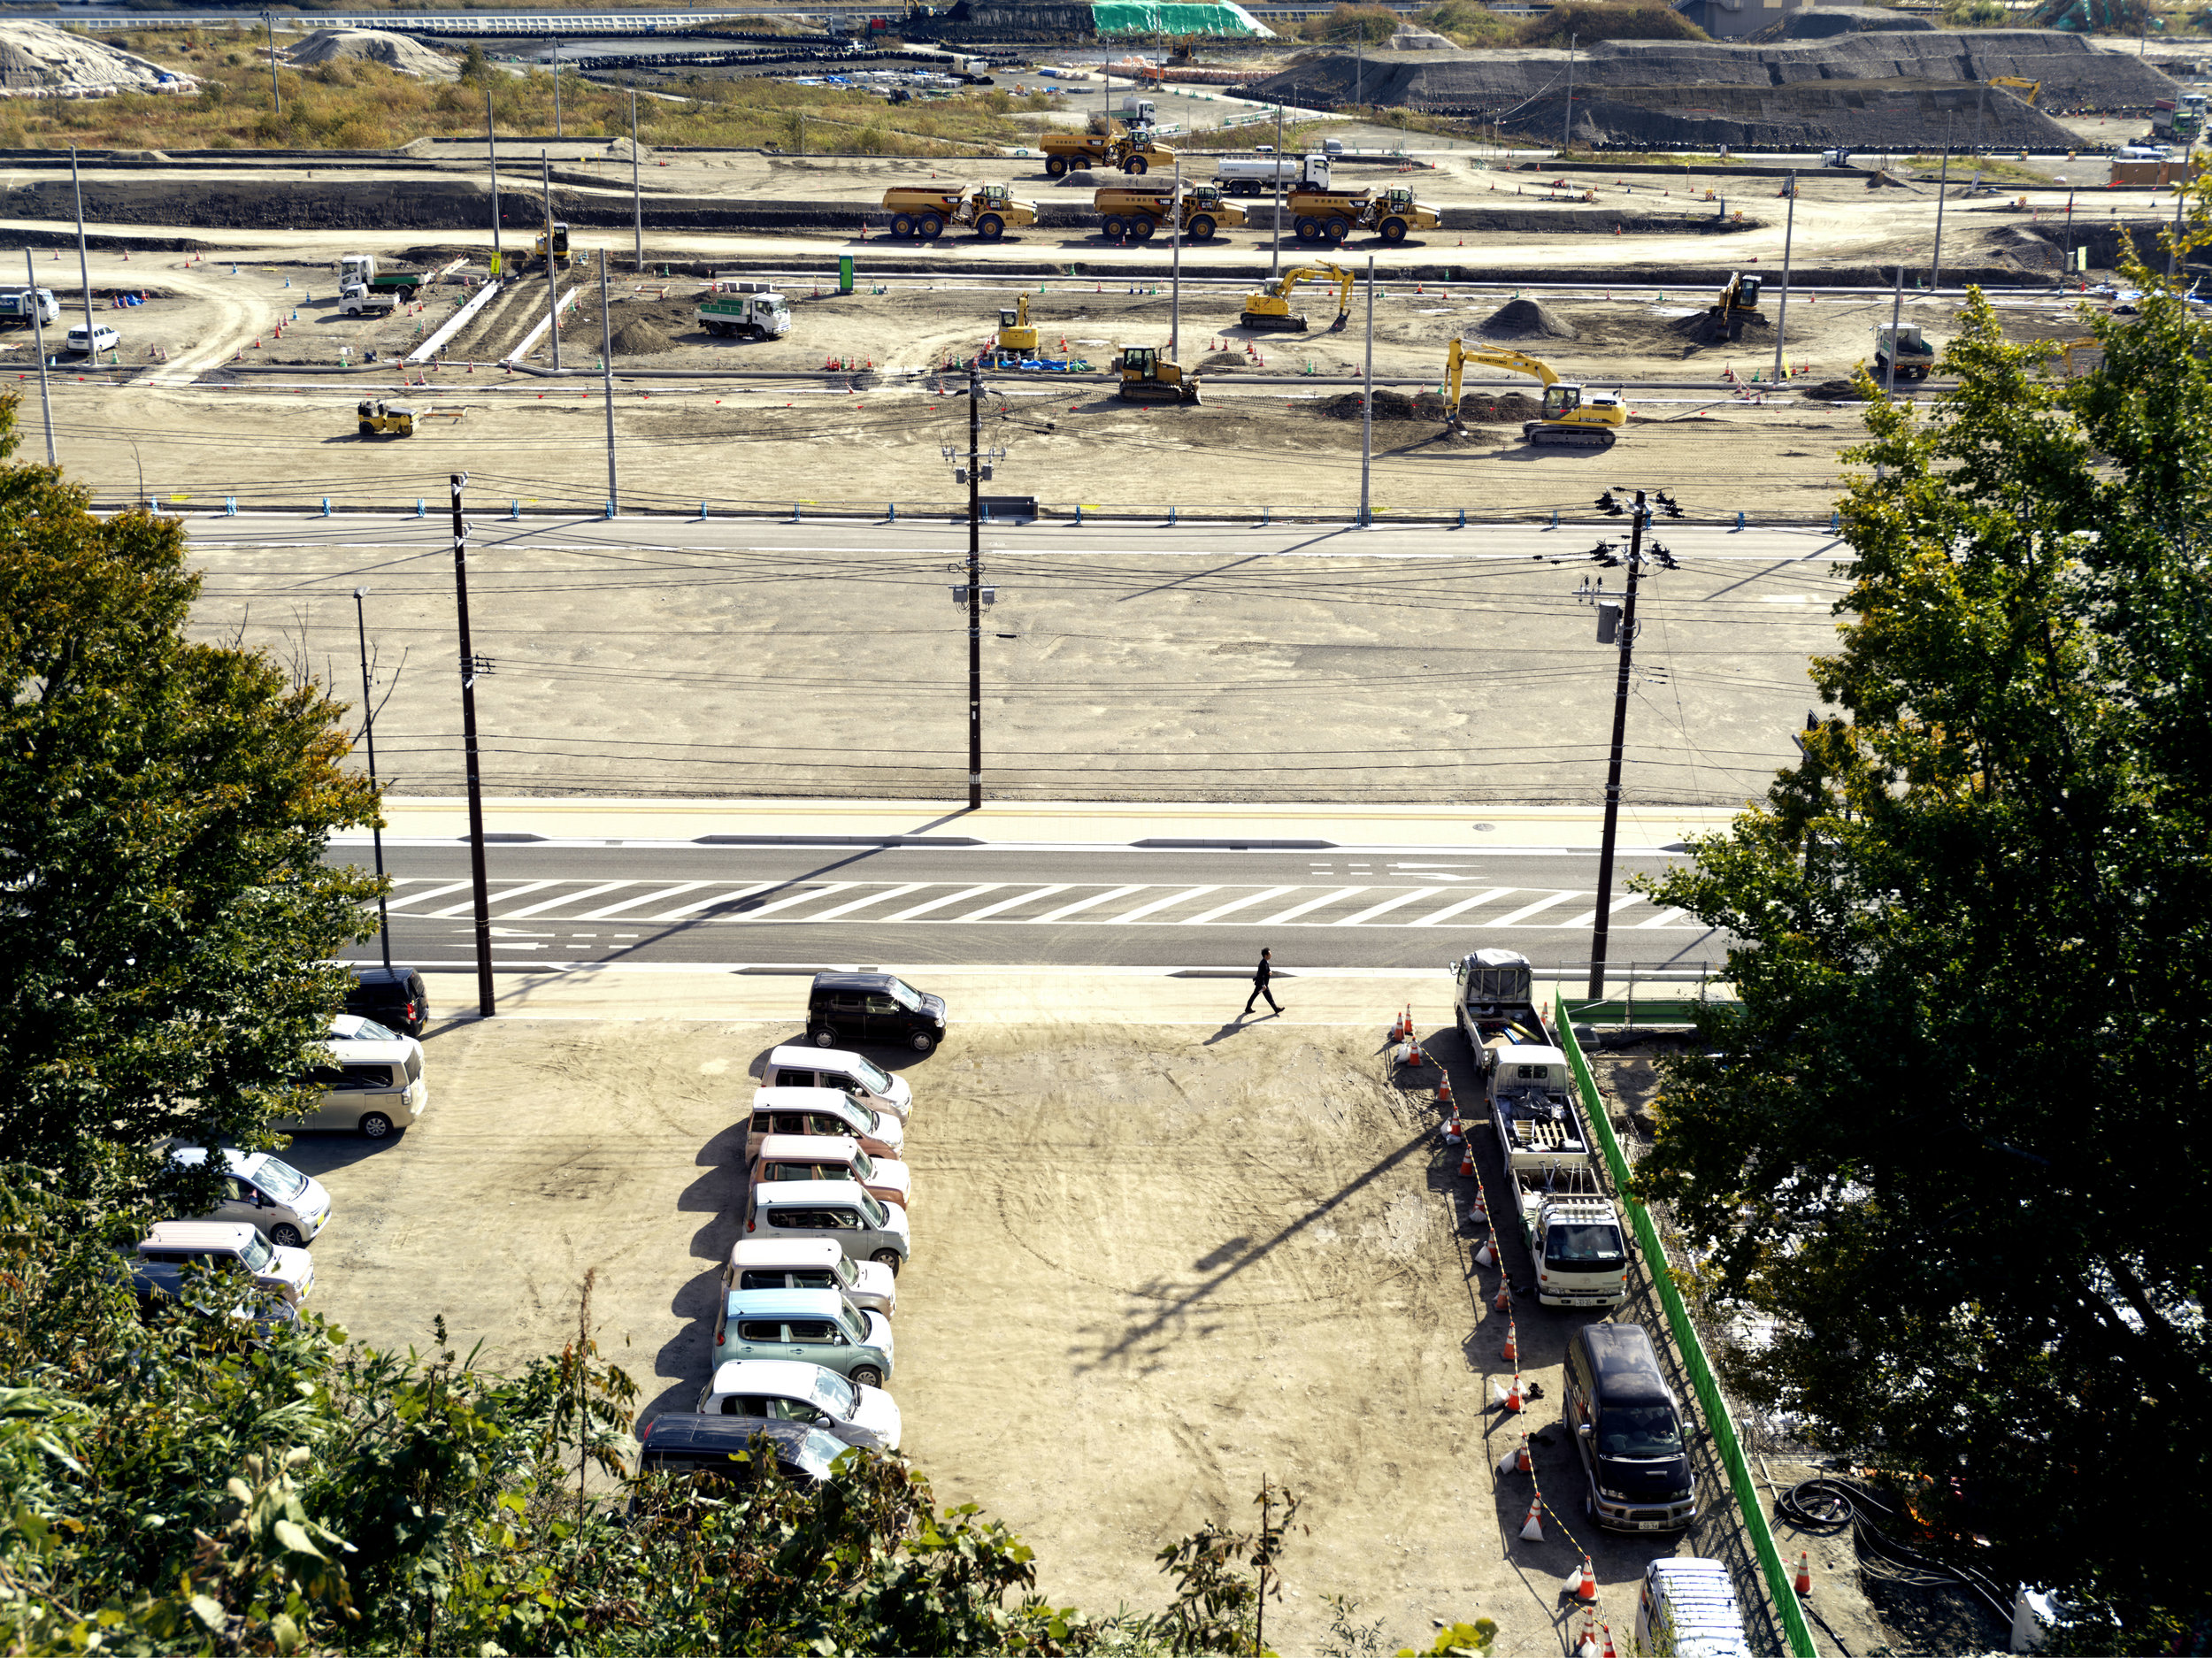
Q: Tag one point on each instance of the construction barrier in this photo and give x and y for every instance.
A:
(1722, 1425)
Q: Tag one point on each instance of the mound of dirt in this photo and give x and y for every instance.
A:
(1225, 359)
(1082, 178)
(1524, 319)
(1389, 405)
(636, 338)
(1704, 328)
(38, 60)
(377, 46)
(1832, 391)
(1499, 409)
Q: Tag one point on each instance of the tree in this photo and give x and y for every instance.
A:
(1956, 1137)
(474, 64)
(163, 810)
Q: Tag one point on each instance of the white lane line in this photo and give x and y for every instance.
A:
(1092, 903)
(828, 889)
(1389, 904)
(649, 898)
(1527, 910)
(1589, 917)
(1295, 910)
(1009, 903)
(1235, 904)
(938, 903)
(873, 898)
(682, 911)
(544, 905)
(1665, 919)
(435, 892)
(1159, 904)
(490, 899)
(1449, 910)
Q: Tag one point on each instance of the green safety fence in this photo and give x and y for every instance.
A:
(1173, 17)
(1779, 1586)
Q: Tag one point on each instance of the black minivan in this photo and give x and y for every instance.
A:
(849, 1008)
(1630, 1431)
(392, 996)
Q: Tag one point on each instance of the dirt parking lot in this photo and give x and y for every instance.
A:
(1152, 1262)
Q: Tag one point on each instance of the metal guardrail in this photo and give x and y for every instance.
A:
(1717, 1419)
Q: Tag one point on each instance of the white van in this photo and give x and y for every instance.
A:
(266, 1192)
(836, 1210)
(1688, 1607)
(810, 1263)
(823, 1111)
(368, 1087)
(794, 1065)
(175, 1245)
(96, 340)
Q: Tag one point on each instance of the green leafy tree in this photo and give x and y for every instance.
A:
(1957, 1139)
(163, 810)
(474, 64)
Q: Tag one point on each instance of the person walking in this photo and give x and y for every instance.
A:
(1260, 975)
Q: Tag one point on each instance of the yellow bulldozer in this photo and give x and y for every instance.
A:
(1148, 376)
(378, 418)
(1269, 307)
(1571, 419)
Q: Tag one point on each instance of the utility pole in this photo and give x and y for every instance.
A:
(485, 1003)
(1175, 278)
(275, 96)
(1359, 68)
(1367, 401)
(606, 365)
(637, 198)
(1935, 259)
(555, 47)
(1275, 249)
(38, 344)
(1567, 125)
(975, 584)
(2066, 259)
(1638, 514)
(368, 723)
(552, 269)
(84, 268)
(1782, 310)
(1981, 97)
(491, 151)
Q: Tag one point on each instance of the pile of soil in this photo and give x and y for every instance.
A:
(50, 62)
(1832, 391)
(1082, 178)
(636, 338)
(1225, 359)
(1524, 319)
(1389, 405)
(395, 52)
(1705, 328)
(1499, 409)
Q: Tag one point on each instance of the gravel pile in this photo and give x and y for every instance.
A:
(377, 46)
(640, 339)
(1524, 319)
(1389, 405)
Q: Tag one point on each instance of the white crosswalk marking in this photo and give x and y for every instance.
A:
(490, 898)
(1295, 910)
(1389, 904)
(1465, 904)
(1589, 917)
(565, 898)
(873, 898)
(827, 889)
(1235, 904)
(938, 903)
(1092, 903)
(636, 903)
(1159, 904)
(1014, 902)
(1527, 910)
(435, 892)
(1666, 918)
(683, 910)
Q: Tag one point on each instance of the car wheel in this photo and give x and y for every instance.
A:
(990, 227)
(889, 1258)
(286, 1236)
(376, 1126)
(921, 1042)
(825, 1038)
(366, 429)
(866, 1376)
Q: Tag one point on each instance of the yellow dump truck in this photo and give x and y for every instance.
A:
(924, 211)
(1331, 215)
(1131, 153)
(1139, 211)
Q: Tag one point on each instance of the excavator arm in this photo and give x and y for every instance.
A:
(1287, 285)
(1520, 362)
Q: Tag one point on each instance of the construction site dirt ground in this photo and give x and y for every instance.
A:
(1153, 1263)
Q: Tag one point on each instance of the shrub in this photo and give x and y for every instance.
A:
(1588, 21)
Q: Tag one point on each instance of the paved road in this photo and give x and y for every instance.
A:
(1019, 906)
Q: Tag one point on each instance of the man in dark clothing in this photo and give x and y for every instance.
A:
(1260, 975)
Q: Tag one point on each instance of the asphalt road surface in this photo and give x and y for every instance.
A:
(866, 906)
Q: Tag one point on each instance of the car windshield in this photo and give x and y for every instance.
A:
(1640, 1434)
(862, 1114)
(834, 1394)
(257, 1255)
(863, 1165)
(853, 1324)
(906, 995)
(874, 1211)
(872, 1077)
(846, 1272)
(279, 1179)
(355, 1028)
(1593, 1248)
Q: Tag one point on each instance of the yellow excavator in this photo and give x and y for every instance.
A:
(1016, 337)
(1148, 376)
(2027, 91)
(553, 244)
(1571, 419)
(1269, 307)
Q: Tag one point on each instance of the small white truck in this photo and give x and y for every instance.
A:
(356, 299)
(749, 316)
(1574, 1236)
(18, 306)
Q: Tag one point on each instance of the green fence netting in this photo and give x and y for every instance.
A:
(1171, 17)
(1779, 1587)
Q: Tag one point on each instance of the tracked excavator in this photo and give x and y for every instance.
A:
(1148, 376)
(1739, 303)
(1016, 336)
(2027, 91)
(1571, 419)
(1269, 307)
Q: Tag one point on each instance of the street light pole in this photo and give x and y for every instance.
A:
(975, 583)
(376, 828)
(485, 1003)
(1567, 123)
(1367, 399)
(275, 96)
(1275, 249)
(1175, 276)
(555, 48)
(1782, 310)
(38, 344)
(84, 268)
(637, 198)
(606, 369)
(491, 152)
(552, 267)
(1638, 514)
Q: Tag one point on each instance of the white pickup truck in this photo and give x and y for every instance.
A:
(356, 299)
(1574, 1236)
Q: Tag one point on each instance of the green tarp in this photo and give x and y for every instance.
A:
(1172, 16)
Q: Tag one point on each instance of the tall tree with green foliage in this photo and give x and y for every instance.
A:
(167, 918)
(1957, 1137)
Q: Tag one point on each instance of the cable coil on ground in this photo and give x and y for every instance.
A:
(1827, 1506)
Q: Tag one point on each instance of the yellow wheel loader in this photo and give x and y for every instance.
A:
(1269, 307)
(1571, 419)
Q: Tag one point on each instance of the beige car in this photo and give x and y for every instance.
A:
(830, 1111)
(370, 1088)
(832, 1157)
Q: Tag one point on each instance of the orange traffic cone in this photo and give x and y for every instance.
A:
(1588, 1645)
(1532, 1528)
(1444, 1097)
(1504, 1302)
(1413, 1053)
(1521, 1458)
(1608, 1652)
(1479, 1209)
(1511, 1352)
(1467, 1164)
(1505, 1463)
(1804, 1585)
(1484, 1257)
(1586, 1590)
